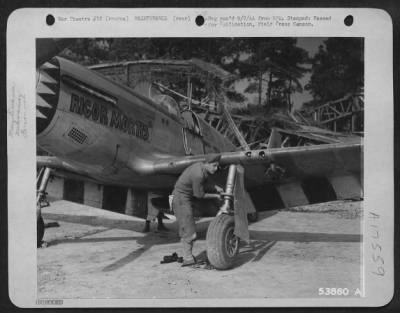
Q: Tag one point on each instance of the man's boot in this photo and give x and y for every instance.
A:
(188, 258)
(161, 226)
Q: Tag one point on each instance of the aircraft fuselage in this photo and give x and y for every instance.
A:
(111, 133)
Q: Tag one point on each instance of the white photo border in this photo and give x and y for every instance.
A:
(374, 25)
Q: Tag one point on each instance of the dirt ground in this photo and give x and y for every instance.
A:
(97, 254)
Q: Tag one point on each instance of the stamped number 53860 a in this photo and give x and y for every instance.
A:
(333, 292)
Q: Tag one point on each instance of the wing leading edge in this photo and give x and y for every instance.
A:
(300, 162)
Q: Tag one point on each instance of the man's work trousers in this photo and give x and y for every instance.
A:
(182, 206)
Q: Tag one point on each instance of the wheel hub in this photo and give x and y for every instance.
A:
(232, 243)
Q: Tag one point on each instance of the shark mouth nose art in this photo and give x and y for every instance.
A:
(47, 93)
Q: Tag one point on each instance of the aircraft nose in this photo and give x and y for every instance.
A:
(47, 93)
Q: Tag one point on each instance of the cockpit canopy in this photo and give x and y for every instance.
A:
(147, 89)
(175, 85)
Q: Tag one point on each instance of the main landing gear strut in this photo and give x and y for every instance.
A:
(222, 243)
(41, 201)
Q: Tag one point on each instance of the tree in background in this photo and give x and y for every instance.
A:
(272, 67)
(100, 50)
(337, 69)
(88, 51)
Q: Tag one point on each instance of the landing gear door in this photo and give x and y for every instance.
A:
(192, 136)
(243, 205)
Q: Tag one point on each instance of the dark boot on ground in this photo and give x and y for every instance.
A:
(146, 228)
(161, 226)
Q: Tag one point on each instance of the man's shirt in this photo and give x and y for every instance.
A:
(192, 181)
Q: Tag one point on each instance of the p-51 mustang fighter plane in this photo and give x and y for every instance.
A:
(100, 130)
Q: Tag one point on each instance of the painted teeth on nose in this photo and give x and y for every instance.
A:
(47, 92)
(40, 115)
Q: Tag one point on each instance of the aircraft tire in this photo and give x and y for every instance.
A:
(40, 230)
(222, 244)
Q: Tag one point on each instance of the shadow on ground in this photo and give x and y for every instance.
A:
(261, 241)
(303, 236)
(134, 225)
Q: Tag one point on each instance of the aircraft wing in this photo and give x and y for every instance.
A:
(286, 168)
(265, 165)
(298, 175)
(300, 162)
(64, 169)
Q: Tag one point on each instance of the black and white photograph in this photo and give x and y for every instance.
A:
(124, 123)
(188, 168)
